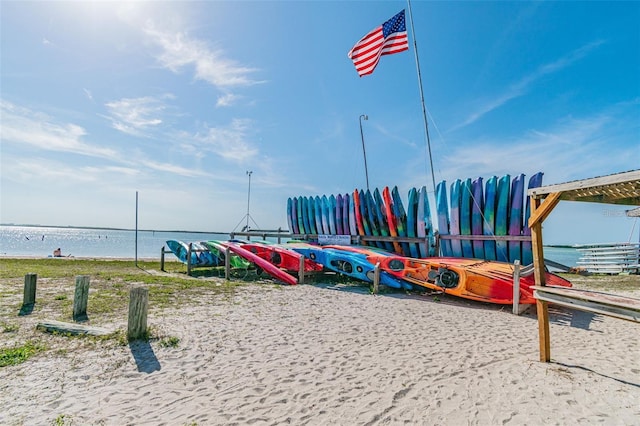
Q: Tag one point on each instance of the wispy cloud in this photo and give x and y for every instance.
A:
(174, 169)
(571, 149)
(227, 100)
(134, 116)
(229, 142)
(40, 169)
(24, 126)
(522, 86)
(178, 51)
(88, 94)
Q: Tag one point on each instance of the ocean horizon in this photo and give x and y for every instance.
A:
(105, 242)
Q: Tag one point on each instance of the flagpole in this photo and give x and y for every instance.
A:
(424, 109)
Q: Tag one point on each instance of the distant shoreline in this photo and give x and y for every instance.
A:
(104, 228)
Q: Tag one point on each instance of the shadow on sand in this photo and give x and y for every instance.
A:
(144, 356)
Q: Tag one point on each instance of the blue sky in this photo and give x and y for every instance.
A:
(178, 100)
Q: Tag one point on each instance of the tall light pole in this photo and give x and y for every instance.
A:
(364, 152)
(248, 199)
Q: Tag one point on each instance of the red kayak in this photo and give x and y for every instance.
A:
(288, 260)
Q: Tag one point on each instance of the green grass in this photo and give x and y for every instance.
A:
(110, 283)
(9, 328)
(605, 283)
(19, 354)
(169, 342)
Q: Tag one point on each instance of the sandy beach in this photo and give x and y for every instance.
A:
(332, 354)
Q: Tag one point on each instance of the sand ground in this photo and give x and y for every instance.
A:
(333, 354)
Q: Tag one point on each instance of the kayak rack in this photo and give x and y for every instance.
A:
(227, 264)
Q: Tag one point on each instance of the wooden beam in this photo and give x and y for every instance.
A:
(543, 330)
(543, 210)
(537, 245)
(624, 178)
(612, 305)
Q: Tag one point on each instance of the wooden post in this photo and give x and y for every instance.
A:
(30, 281)
(162, 259)
(376, 278)
(227, 263)
(538, 214)
(138, 306)
(189, 259)
(543, 330)
(301, 271)
(516, 287)
(81, 298)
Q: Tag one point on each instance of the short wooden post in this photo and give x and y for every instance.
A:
(162, 259)
(81, 298)
(138, 307)
(301, 271)
(227, 263)
(189, 258)
(376, 278)
(516, 287)
(30, 281)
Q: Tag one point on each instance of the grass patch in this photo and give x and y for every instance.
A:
(605, 283)
(9, 328)
(19, 354)
(169, 342)
(62, 420)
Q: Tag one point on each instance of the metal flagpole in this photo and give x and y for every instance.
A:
(424, 109)
(366, 173)
(248, 200)
(136, 263)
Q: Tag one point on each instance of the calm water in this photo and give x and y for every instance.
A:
(41, 241)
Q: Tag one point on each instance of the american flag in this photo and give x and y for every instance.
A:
(388, 38)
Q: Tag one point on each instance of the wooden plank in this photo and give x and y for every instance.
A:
(486, 237)
(71, 328)
(609, 309)
(592, 296)
(629, 181)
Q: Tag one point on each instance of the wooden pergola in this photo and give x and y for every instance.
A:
(620, 188)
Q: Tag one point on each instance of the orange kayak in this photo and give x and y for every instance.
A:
(475, 279)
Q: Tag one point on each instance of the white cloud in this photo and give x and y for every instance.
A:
(572, 149)
(136, 115)
(23, 126)
(521, 87)
(226, 100)
(229, 142)
(36, 170)
(179, 51)
(173, 169)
